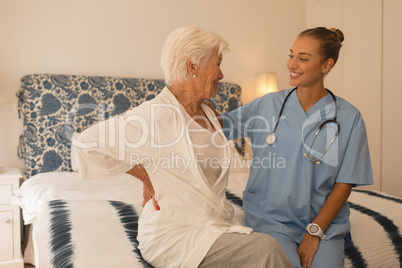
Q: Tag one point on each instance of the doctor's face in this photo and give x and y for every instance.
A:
(305, 64)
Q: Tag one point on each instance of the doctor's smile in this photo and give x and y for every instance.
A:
(294, 75)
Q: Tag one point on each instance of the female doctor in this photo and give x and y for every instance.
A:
(300, 179)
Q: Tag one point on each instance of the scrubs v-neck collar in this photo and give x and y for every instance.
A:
(298, 109)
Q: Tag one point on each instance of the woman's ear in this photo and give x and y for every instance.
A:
(327, 66)
(191, 70)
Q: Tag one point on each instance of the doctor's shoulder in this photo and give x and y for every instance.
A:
(349, 115)
(271, 100)
(347, 108)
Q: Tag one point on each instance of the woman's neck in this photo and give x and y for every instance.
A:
(187, 97)
(309, 96)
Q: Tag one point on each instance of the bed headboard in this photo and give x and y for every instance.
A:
(55, 106)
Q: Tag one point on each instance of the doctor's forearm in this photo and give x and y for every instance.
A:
(333, 205)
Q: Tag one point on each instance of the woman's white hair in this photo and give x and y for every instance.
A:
(185, 43)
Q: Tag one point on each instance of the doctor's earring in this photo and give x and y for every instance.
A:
(194, 75)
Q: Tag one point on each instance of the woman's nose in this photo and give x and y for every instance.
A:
(292, 64)
(221, 76)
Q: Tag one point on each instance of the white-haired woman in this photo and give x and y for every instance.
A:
(190, 223)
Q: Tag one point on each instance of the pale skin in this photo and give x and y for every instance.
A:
(201, 85)
(307, 70)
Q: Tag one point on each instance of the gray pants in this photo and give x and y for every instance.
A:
(242, 250)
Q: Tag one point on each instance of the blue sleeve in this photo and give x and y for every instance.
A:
(356, 163)
(236, 123)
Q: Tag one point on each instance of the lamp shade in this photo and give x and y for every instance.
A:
(266, 83)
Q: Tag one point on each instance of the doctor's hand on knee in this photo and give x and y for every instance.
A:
(307, 249)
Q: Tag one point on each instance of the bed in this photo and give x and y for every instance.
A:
(76, 223)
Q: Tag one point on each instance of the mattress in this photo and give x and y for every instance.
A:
(94, 223)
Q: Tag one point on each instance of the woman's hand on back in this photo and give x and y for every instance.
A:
(148, 193)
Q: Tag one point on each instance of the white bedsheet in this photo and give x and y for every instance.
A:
(376, 218)
(45, 187)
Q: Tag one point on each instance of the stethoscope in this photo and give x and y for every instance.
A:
(271, 138)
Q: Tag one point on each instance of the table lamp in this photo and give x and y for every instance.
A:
(266, 83)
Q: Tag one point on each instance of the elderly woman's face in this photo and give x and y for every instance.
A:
(210, 75)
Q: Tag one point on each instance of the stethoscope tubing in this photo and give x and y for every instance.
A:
(271, 138)
(281, 111)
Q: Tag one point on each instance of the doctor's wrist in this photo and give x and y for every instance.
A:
(315, 230)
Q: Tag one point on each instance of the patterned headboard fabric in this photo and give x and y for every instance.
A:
(55, 106)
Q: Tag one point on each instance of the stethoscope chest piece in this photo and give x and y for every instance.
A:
(270, 139)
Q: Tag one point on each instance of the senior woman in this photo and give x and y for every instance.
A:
(192, 226)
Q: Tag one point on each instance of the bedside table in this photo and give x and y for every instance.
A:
(10, 220)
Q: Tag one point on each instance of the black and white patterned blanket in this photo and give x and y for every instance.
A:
(101, 233)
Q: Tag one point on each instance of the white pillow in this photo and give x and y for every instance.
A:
(74, 155)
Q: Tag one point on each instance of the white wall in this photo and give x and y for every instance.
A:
(367, 75)
(125, 37)
(391, 98)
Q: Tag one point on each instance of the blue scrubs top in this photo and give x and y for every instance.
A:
(285, 190)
